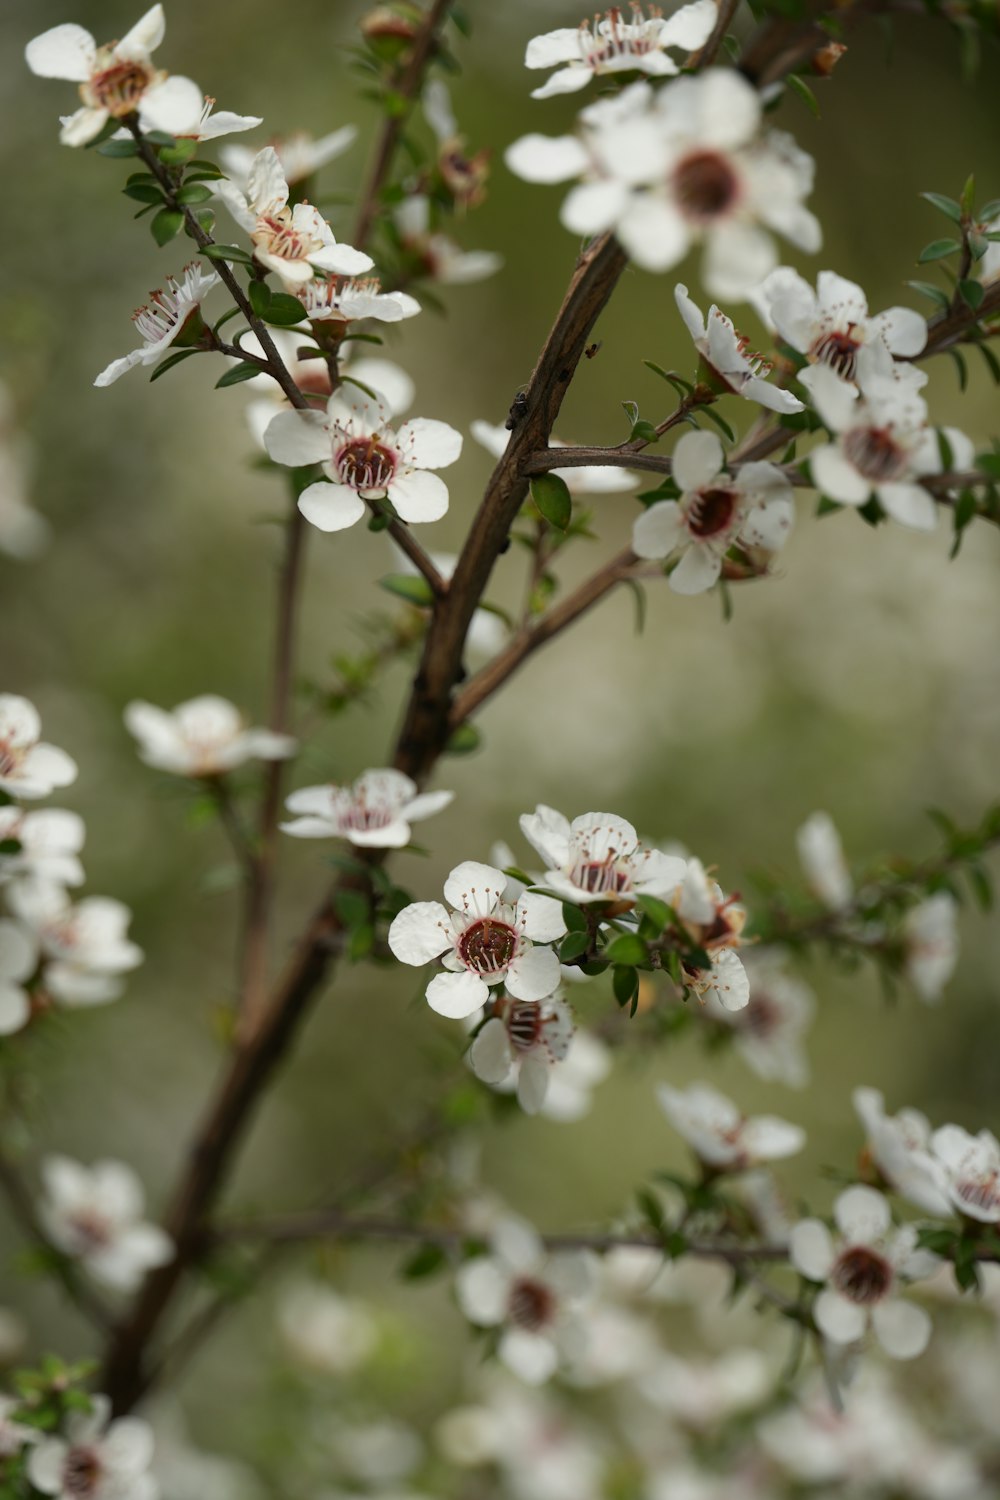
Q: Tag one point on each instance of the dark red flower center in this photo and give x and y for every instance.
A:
(711, 513)
(705, 185)
(861, 1275)
(119, 88)
(875, 453)
(839, 350)
(525, 1025)
(487, 946)
(366, 465)
(531, 1305)
(81, 1473)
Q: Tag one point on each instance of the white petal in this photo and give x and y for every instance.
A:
(145, 36)
(543, 918)
(15, 1008)
(529, 1356)
(18, 951)
(697, 571)
(862, 1214)
(432, 445)
(552, 48)
(737, 258)
(698, 458)
(548, 832)
(426, 805)
(836, 478)
(731, 984)
(420, 932)
(518, 1245)
(543, 158)
(838, 1320)
(331, 507)
(64, 52)
(266, 185)
(82, 127)
(342, 260)
(482, 1290)
(419, 496)
(811, 1249)
(909, 504)
(297, 438)
(729, 107)
(658, 530)
(653, 232)
(490, 1054)
(457, 995)
(769, 1139)
(593, 207)
(690, 27)
(566, 81)
(694, 320)
(45, 1466)
(485, 884)
(534, 974)
(532, 1084)
(904, 330)
(173, 106)
(902, 1328)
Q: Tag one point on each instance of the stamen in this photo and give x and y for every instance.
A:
(710, 512)
(366, 465)
(488, 945)
(875, 453)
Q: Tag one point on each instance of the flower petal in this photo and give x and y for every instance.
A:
(432, 445)
(811, 1249)
(331, 507)
(457, 995)
(297, 438)
(534, 974)
(544, 158)
(419, 496)
(902, 1328)
(698, 458)
(420, 932)
(658, 530)
(63, 52)
(697, 571)
(838, 1320)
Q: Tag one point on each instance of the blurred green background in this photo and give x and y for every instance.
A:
(863, 679)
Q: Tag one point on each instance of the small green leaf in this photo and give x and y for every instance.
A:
(928, 289)
(245, 370)
(643, 432)
(575, 919)
(937, 250)
(409, 586)
(574, 945)
(961, 368)
(352, 907)
(284, 311)
(226, 252)
(625, 985)
(658, 911)
(143, 192)
(465, 740)
(553, 499)
(180, 152)
(799, 86)
(170, 361)
(972, 293)
(165, 225)
(118, 148)
(424, 1262)
(627, 948)
(720, 422)
(193, 192)
(969, 196)
(259, 294)
(947, 206)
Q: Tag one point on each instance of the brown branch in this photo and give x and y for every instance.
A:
(710, 51)
(24, 1213)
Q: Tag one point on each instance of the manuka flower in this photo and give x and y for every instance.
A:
(116, 81)
(821, 855)
(930, 944)
(95, 1214)
(29, 768)
(299, 155)
(598, 857)
(375, 812)
(96, 1459)
(18, 959)
(614, 45)
(720, 1136)
(863, 1270)
(832, 326)
(668, 170)
(172, 316)
(50, 841)
(206, 736)
(714, 922)
(970, 1166)
(345, 299)
(716, 509)
(899, 1146)
(485, 940)
(523, 1040)
(85, 944)
(294, 242)
(769, 1030)
(724, 353)
(365, 459)
(437, 255)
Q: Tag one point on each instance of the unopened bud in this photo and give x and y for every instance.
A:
(826, 59)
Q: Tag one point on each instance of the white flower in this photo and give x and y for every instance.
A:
(705, 1393)
(671, 169)
(882, 446)
(900, 1148)
(752, 508)
(486, 940)
(724, 351)
(97, 1459)
(714, 922)
(172, 315)
(438, 255)
(375, 812)
(930, 941)
(365, 459)
(298, 154)
(204, 124)
(769, 1031)
(50, 841)
(862, 1271)
(720, 1136)
(347, 299)
(613, 45)
(531, 1295)
(586, 1064)
(971, 1166)
(821, 855)
(523, 1038)
(116, 80)
(85, 944)
(29, 767)
(598, 857)
(18, 960)
(205, 736)
(587, 479)
(332, 1333)
(95, 1215)
(291, 241)
(14, 1435)
(831, 325)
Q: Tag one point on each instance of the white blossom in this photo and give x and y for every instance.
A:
(28, 766)
(171, 316)
(672, 169)
(720, 1136)
(598, 857)
(95, 1215)
(523, 1040)
(439, 256)
(586, 479)
(899, 1146)
(97, 1459)
(116, 80)
(50, 840)
(571, 1084)
(930, 944)
(704, 1393)
(614, 45)
(325, 1330)
(832, 326)
(85, 943)
(716, 509)
(821, 855)
(293, 241)
(18, 960)
(485, 940)
(348, 299)
(205, 736)
(770, 1030)
(714, 922)
(531, 1295)
(863, 1270)
(364, 459)
(375, 812)
(724, 352)
(299, 155)
(971, 1166)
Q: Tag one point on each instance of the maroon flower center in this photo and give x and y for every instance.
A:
(525, 1025)
(363, 816)
(839, 350)
(531, 1305)
(92, 1231)
(981, 1192)
(488, 946)
(875, 453)
(862, 1276)
(365, 465)
(81, 1472)
(711, 512)
(119, 88)
(277, 235)
(602, 877)
(10, 758)
(705, 185)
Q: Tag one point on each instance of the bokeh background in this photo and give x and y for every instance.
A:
(862, 679)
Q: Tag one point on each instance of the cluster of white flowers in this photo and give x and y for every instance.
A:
(95, 1458)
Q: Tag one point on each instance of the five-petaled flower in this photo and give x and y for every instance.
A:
(716, 510)
(970, 1166)
(485, 940)
(523, 1040)
(614, 45)
(930, 944)
(598, 857)
(862, 1271)
(49, 842)
(900, 1148)
(722, 1138)
(724, 353)
(206, 736)
(28, 766)
(85, 943)
(171, 316)
(96, 1459)
(95, 1215)
(346, 299)
(714, 922)
(375, 812)
(365, 459)
(769, 1029)
(821, 855)
(832, 326)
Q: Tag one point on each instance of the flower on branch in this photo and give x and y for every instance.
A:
(85, 943)
(583, 479)
(716, 510)
(723, 1139)
(299, 155)
(117, 80)
(971, 1166)
(614, 45)
(485, 940)
(29, 767)
(724, 353)
(821, 855)
(672, 169)
(14, 1436)
(863, 1270)
(831, 325)
(95, 1215)
(340, 299)
(900, 1148)
(930, 944)
(437, 255)
(293, 241)
(714, 922)
(172, 316)
(522, 1042)
(462, 175)
(365, 459)
(375, 812)
(598, 857)
(97, 1459)
(205, 736)
(18, 960)
(50, 841)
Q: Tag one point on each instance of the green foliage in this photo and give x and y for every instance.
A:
(553, 500)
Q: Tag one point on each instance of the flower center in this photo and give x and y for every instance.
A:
(487, 946)
(875, 453)
(761, 1017)
(366, 465)
(10, 758)
(365, 815)
(525, 1025)
(118, 88)
(276, 234)
(710, 513)
(93, 1231)
(839, 350)
(862, 1276)
(531, 1305)
(161, 313)
(705, 185)
(981, 1192)
(323, 296)
(602, 877)
(81, 1473)
(613, 38)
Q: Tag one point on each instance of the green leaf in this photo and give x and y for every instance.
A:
(409, 586)
(465, 740)
(972, 293)
(944, 205)
(627, 948)
(226, 252)
(643, 432)
(992, 363)
(625, 984)
(118, 148)
(574, 945)
(928, 289)
(553, 499)
(937, 250)
(259, 294)
(352, 908)
(424, 1262)
(143, 192)
(961, 367)
(575, 919)
(639, 597)
(969, 196)
(180, 152)
(284, 311)
(658, 911)
(982, 886)
(165, 225)
(170, 361)
(799, 86)
(720, 422)
(245, 370)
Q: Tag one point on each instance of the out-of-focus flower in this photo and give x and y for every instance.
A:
(598, 857)
(714, 922)
(863, 1271)
(752, 508)
(586, 1064)
(205, 736)
(14, 1435)
(375, 812)
(831, 325)
(930, 944)
(725, 355)
(489, 630)
(97, 1459)
(439, 257)
(95, 1215)
(588, 479)
(364, 459)
(668, 170)
(50, 841)
(299, 155)
(325, 1330)
(704, 1393)
(971, 1166)
(172, 316)
(770, 1029)
(614, 45)
(85, 943)
(821, 855)
(525, 1039)
(464, 176)
(484, 941)
(29, 767)
(900, 1149)
(23, 532)
(18, 958)
(720, 1136)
